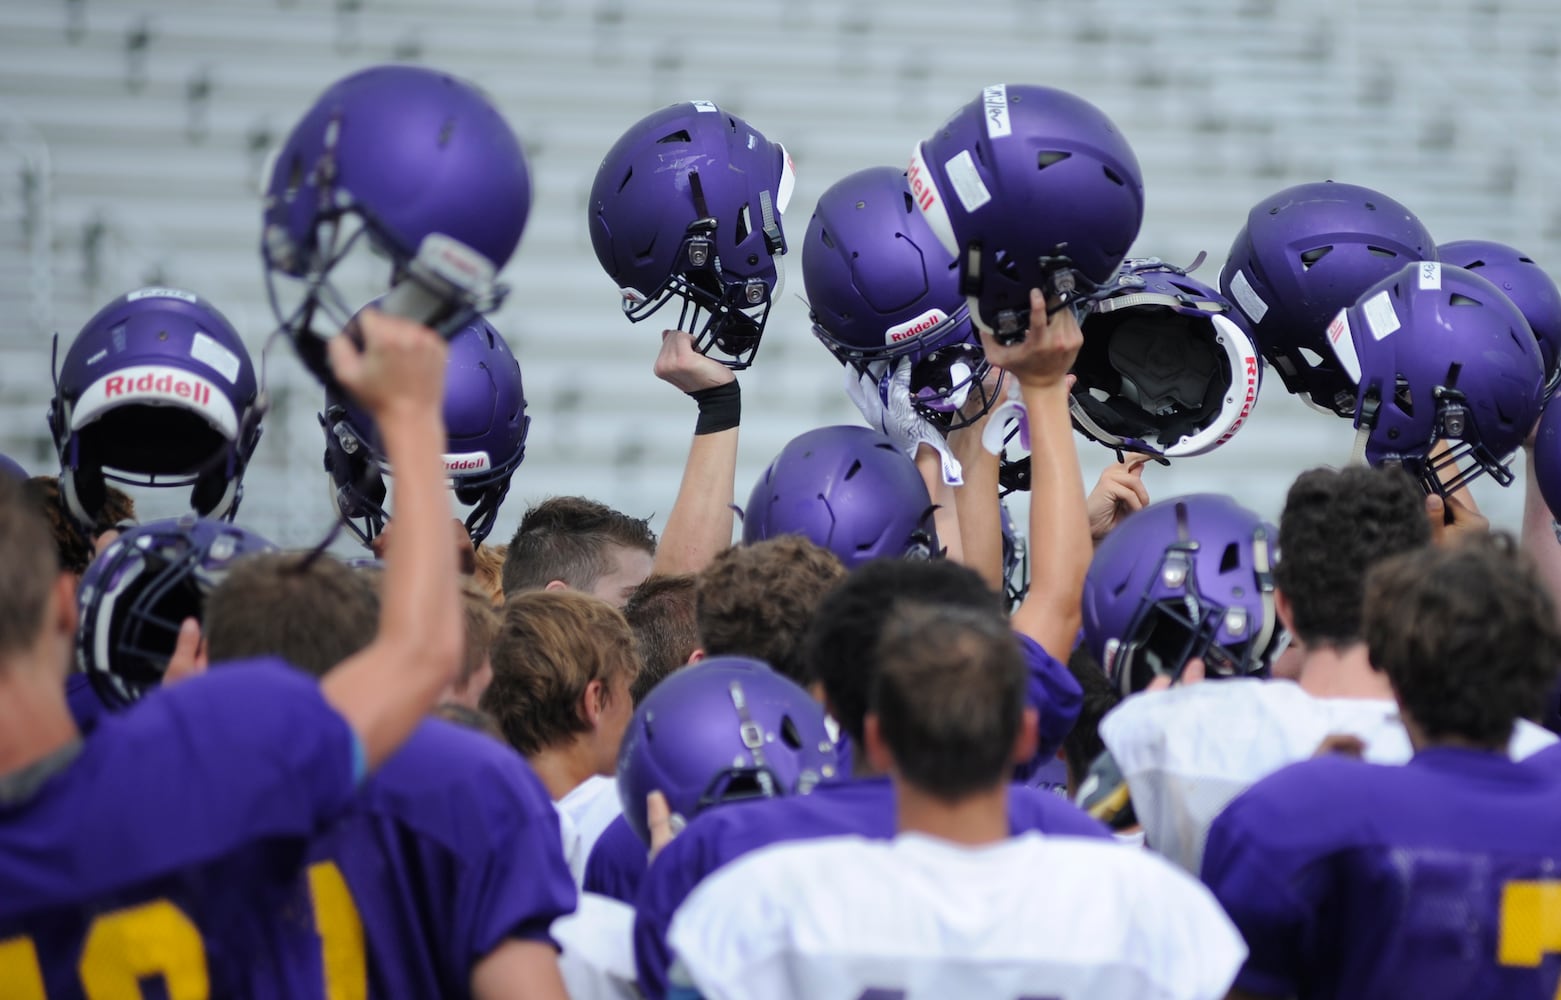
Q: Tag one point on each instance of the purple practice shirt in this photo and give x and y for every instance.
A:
(863, 806)
(182, 826)
(617, 863)
(1057, 698)
(85, 705)
(451, 848)
(1438, 878)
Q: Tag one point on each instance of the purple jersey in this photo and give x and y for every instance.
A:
(863, 806)
(451, 848)
(1057, 698)
(1548, 759)
(167, 846)
(617, 863)
(1437, 878)
(85, 705)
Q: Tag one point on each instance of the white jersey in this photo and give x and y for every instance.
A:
(597, 949)
(583, 813)
(923, 919)
(1188, 751)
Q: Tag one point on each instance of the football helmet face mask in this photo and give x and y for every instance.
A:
(485, 426)
(1166, 368)
(687, 205)
(135, 595)
(1305, 253)
(1185, 577)
(421, 166)
(156, 390)
(1522, 281)
(1439, 353)
(1028, 187)
(881, 288)
(725, 729)
(1016, 561)
(847, 489)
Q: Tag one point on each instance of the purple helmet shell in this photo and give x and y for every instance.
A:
(847, 489)
(1439, 353)
(485, 437)
(1304, 254)
(135, 595)
(687, 205)
(725, 729)
(156, 390)
(420, 163)
(1546, 465)
(12, 469)
(1166, 367)
(881, 288)
(1185, 577)
(1025, 186)
(1522, 281)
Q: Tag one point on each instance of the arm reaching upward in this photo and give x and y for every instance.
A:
(700, 524)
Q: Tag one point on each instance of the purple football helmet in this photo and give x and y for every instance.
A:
(1546, 464)
(1304, 254)
(1016, 561)
(1028, 187)
(485, 427)
(1185, 577)
(882, 288)
(12, 469)
(725, 729)
(1522, 281)
(156, 390)
(135, 595)
(1166, 367)
(847, 489)
(421, 164)
(687, 205)
(1439, 353)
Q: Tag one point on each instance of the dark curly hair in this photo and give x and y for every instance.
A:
(1467, 635)
(757, 600)
(1337, 524)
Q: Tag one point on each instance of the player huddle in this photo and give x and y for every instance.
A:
(888, 746)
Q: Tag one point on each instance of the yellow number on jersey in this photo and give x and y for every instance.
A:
(1530, 924)
(154, 939)
(341, 933)
(19, 969)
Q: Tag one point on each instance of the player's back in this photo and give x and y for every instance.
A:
(918, 917)
(451, 848)
(1437, 878)
(169, 843)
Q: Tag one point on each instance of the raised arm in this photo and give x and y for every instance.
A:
(383, 691)
(700, 524)
(980, 517)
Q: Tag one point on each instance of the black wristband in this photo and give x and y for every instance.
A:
(720, 408)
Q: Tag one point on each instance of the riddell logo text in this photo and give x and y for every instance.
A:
(1246, 404)
(921, 324)
(465, 464)
(168, 385)
(921, 186)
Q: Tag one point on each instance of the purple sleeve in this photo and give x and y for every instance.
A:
(1047, 812)
(668, 881)
(1265, 893)
(617, 863)
(1055, 695)
(85, 705)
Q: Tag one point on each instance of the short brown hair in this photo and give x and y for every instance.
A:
(74, 543)
(29, 567)
(666, 630)
(482, 624)
(758, 600)
(551, 645)
(568, 539)
(488, 571)
(1467, 635)
(311, 612)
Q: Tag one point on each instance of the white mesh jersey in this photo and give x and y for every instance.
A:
(1188, 751)
(597, 949)
(583, 813)
(845, 918)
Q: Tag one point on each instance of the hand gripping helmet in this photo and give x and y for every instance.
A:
(847, 489)
(1028, 187)
(687, 205)
(1439, 353)
(1304, 254)
(1522, 281)
(882, 288)
(156, 390)
(485, 426)
(424, 167)
(135, 595)
(1166, 367)
(1185, 577)
(725, 729)
(1016, 561)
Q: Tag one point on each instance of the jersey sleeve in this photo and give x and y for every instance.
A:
(617, 863)
(668, 881)
(1055, 694)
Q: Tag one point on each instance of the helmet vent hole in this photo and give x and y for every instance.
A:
(856, 466)
(828, 241)
(1381, 252)
(681, 135)
(910, 205)
(1370, 207)
(1502, 416)
(1230, 559)
(1311, 257)
(1113, 176)
(1526, 260)
(1046, 158)
(789, 734)
(744, 226)
(628, 176)
(1459, 299)
(1474, 264)
(1403, 398)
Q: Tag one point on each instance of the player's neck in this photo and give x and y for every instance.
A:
(563, 769)
(978, 819)
(35, 720)
(1328, 671)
